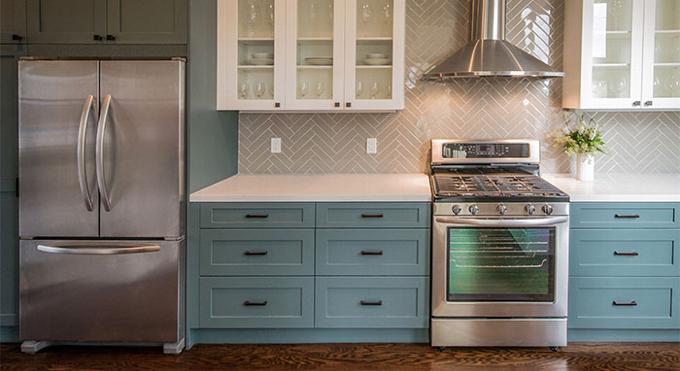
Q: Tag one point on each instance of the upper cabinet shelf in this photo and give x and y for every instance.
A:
(310, 55)
(622, 55)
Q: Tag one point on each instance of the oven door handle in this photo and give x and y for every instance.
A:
(479, 222)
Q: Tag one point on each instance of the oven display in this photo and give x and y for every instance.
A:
(474, 150)
(501, 264)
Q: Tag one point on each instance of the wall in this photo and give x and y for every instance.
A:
(325, 143)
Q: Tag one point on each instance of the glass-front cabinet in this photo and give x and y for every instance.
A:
(310, 55)
(626, 59)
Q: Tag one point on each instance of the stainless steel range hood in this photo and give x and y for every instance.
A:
(488, 54)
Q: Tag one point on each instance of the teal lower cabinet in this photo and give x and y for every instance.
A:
(268, 273)
(624, 282)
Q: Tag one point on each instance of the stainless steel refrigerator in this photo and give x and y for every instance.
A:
(101, 201)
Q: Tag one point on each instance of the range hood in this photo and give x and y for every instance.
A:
(488, 54)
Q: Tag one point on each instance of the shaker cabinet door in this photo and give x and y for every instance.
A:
(146, 22)
(12, 21)
(66, 21)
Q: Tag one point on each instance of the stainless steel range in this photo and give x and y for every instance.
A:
(500, 246)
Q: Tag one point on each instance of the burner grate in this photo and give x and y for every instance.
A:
(495, 186)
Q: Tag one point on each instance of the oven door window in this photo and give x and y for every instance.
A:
(501, 264)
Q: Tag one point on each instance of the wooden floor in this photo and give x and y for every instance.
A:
(657, 356)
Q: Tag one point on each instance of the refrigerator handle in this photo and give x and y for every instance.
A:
(101, 130)
(82, 165)
(75, 250)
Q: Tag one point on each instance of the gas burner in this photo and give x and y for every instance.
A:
(491, 187)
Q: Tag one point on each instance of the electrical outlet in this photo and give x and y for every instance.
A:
(276, 145)
(371, 146)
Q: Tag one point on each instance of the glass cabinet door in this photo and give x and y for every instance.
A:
(315, 55)
(614, 53)
(662, 54)
(375, 71)
(250, 71)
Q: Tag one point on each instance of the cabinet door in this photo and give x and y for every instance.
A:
(250, 55)
(66, 21)
(374, 74)
(12, 21)
(147, 22)
(315, 54)
(612, 54)
(661, 81)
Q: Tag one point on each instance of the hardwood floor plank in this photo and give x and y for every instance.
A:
(332, 357)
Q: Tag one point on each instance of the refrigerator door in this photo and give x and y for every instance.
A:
(58, 105)
(105, 291)
(140, 149)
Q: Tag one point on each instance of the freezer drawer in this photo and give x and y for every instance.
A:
(104, 291)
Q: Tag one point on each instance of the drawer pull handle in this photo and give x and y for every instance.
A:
(255, 303)
(371, 252)
(375, 216)
(371, 302)
(626, 216)
(257, 216)
(626, 253)
(631, 303)
(256, 253)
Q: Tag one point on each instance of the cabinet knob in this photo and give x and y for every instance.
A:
(348, 104)
(110, 38)
(277, 105)
(97, 37)
(648, 103)
(636, 103)
(337, 104)
(16, 37)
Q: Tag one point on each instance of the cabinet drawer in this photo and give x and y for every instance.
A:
(627, 252)
(239, 302)
(372, 252)
(254, 252)
(372, 215)
(624, 215)
(624, 302)
(257, 215)
(370, 302)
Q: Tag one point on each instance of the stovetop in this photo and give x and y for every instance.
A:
(494, 187)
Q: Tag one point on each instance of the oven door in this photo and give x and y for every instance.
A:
(485, 267)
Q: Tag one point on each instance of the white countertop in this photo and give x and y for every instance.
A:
(620, 187)
(318, 188)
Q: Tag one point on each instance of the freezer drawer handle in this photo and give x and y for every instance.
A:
(256, 253)
(255, 303)
(80, 152)
(371, 302)
(631, 303)
(75, 250)
(101, 130)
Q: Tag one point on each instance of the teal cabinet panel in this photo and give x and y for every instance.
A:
(624, 302)
(9, 260)
(12, 21)
(253, 252)
(257, 302)
(147, 22)
(624, 252)
(624, 215)
(372, 215)
(372, 302)
(65, 21)
(257, 215)
(372, 252)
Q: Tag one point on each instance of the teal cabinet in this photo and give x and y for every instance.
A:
(372, 302)
(625, 215)
(66, 21)
(257, 215)
(12, 21)
(257, 302)
(372, 215)
(624, 302)
(147, 21)
(253, 252)
(372, 252)
(625, 252)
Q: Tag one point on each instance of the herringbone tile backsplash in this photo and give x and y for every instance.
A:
(477, 108)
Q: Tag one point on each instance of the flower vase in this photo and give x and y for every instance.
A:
(585, 167)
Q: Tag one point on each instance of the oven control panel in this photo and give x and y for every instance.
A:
(501, 209)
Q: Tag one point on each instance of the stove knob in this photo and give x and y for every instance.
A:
(456, 209)
(530, 209)
(547, 209)
(502, 209)
(474, 209)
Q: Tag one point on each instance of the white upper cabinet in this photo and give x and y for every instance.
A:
(310, 55)
(622, 55)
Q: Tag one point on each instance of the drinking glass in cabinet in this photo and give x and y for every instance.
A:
(667, 49)
(256, 18)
